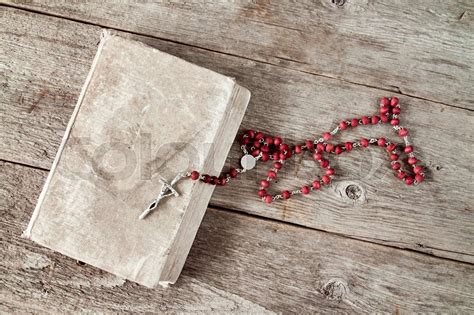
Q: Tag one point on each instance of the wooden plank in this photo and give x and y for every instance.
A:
(238, 263)
(41, 79)
(385, 212)
(417, 48)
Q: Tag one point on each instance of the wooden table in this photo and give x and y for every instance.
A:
(366, 244)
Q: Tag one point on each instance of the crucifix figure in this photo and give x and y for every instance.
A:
(167, 190)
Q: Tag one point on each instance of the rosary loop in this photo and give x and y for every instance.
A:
(256, 146)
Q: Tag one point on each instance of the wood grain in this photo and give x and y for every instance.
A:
(434, 218)
(238, 263)
(418, 48)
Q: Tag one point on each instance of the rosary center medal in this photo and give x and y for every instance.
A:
(248, 162)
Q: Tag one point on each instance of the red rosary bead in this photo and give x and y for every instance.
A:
(268, 199)
(418, 169)
(348, 146)
(329, 147)
(408, 149)
(250, 133)
(305, 190)
(394, 101)
(320, 147)
(272, 174)
(401, 174)
(326, 179)
(324, 163)
(384, 101)
(316, 184)
(402, 132)
(396, 166)
(233, 172)
(262, 192)
(330, 171)
(326, 136)
(244, 141)
(384, 110)
(284, 147)
(391, 147)
(255, 152)
(194, 175)
(419, 178)
(286, 194)
(364, 142)
(277, 141)
(265, 183)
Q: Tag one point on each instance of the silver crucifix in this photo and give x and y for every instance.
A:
(167, 190)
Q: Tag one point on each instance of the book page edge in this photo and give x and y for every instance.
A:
(27, 233)
(170, 273)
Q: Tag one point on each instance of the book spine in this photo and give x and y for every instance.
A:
(28, 232)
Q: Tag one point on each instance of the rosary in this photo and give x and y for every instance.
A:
(257, 146)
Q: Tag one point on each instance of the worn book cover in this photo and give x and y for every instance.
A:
(142, 116)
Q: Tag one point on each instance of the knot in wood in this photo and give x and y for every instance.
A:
(354, 192)
(351, 192)
(339, 3)
(335, 289)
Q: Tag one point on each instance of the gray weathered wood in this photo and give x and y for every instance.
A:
(420, 48)
(238, 263)
(435, 217)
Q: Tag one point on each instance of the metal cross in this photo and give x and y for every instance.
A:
(167, 190)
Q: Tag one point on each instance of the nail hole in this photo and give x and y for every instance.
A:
(353, 192)
(438, 168)
(80, 263)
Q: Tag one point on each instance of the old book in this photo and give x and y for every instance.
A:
(143, 116)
